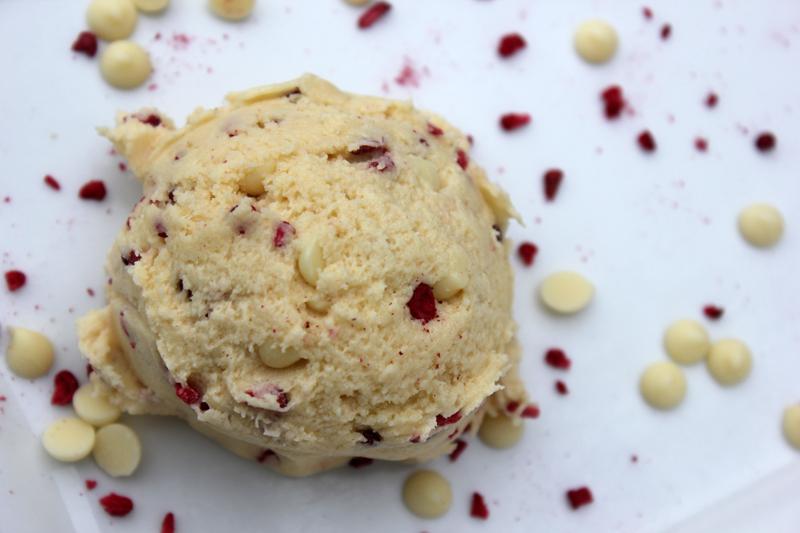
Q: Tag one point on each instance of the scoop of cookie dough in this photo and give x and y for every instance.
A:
(309, 276)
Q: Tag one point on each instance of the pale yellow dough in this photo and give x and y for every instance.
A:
(307, 347)
(29, 354)
(729, 361)
(125, 65)
(596, 41)
(112, 20)
(761, 225)
(117, 450)
(68, 439)
(663, 385)
(686, 341)
(427, 494)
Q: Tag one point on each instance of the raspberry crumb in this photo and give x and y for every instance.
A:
(15, 280)
(765, 142)
(373, 14)
(187, 394)
(666, 31)
(561, 388)
(557, 358)
(90, 484)
(116, 504)
(462, 159)
(579, 497)
(647, 12)
(552, 182)
(461, 445)
(530, 411)
(646, 141)
(478, 507)
(711, 100)
(266, 454)
(370, 436)
(51, 182)
(85, 43)
(93, 190)
(713, 312)
(151, 120)
(514, 121)
(436, 131)
(65, 384)
(168, 524)
(283, 234)
(90, 291)
(360, 462)
(442, 420)
(422, 304)
(701, 144)
(527, 252)
(510, 44)
(131, 258)
(613, 100)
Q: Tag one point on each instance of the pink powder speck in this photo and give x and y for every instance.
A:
(408, 76)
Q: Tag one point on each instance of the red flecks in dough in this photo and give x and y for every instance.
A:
(765, 142)
(579, 497)
(171, 196)
(370, 436)
(666, 31)
(530, 411)
(442, 420)
(116, 504)
(561, 388)
(151, 119)
(527, 252)
(281, 396)
(372, 15)
(383, 163)
(203, 405)
(131, 258)
(461, 445)
(266, 454)
(552, 182)
(510, 44)
(646, 141)
(187, 394)
(15, 280)
(64, 386)
(614, 101)
(415, 439)
(512, 406)
(713, 312)
(51, 182)
(90, 484)
(711, 100)
(498, 233)
(168, 524)
(647, 13)
(478, 508)
(422, 304)
(436, 131)
(93, 190)
(462, 159)
(514, 121)
(360, 462)
(557, 358)
(89, 369)
(161, 231)
(85, 43)
(283, 234)
(701, 144)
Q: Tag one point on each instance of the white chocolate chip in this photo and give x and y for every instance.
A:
(232, 9)
(729, 361)
(310, 261)
(318, 303)
(449, 285)
(761, 225)
(125, 65)
(68, 439)
(501, 431)
(111, 20)
(596, 41)
(663, 385)
(427, 494)
(151, 6)
(29, 354)
(252, 184)
(117, 450)
(274, 357)
(93, 408)
(791, 425)
(566, 292)
(686, 342)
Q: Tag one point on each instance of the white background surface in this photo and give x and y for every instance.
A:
(655, 233)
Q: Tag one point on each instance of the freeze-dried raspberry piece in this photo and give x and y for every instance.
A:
(442, 420)
(187, 394)
(93, 190)
(90, 484)
(514, 121)
(376, 12)
(713, 312)
(51, 182)
(360, 462)
(370, 436)
(557, 358)
(168, 524)
(527, 252)
(283, 234)
(422, 304)
(15, 280)
(551, 182)
(478, 508)
(579, 497)
(461, 445)
(510, 44)
(646, 141)
(116, 504)
(85, 43)
(64, 386)
(462, 159)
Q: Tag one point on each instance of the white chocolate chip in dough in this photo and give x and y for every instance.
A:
(596, 41)
(566, 292)
(427, 494)
(274, 357)
(309, 262)
(125, 65)
(686, 341)
(92, 408)
(729, 361)
(117, 450)
(232, 9)
(29, 354)
(791, 425)
(252, 184)
(761, 225)
(151, 6)
(663, 385)
(501, 431)
(112, 20)
(68, 439)
(455, 278)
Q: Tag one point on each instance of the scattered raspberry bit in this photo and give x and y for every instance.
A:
(168, 524)
(15, 280)
(530, 411)
(266, 454)
(187, 394)
(701, 144)
(161, 231)
(512, 406)
(151, 120)
(552, 182)
(556, 358)
(510, 44)
(462, 159)
(204, 407)
(85, 43)
(646, 141)
(527, 252)
(116, 504)
(360, 462)
(461, 445)
(131, 258)
(442, 420)
(436, 131)
(93, 190)
(415, 439)
(370, 436)
(373, 14)
(647, 12)
(614, 101)
(51, 182)
(666, 31)
(579, 497)
(561, 388)
(283, 234)
(89, 369)
(90, 291)
(765, 142)
(478, 507)
(634, 458)
(514, 121)
(422, 304)
(498, 233)
(713, 312)
(65, 384)
(90, 484)
(711, 100)
(282, 398)
(122, 166)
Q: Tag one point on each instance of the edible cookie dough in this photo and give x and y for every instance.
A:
(310, 276)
